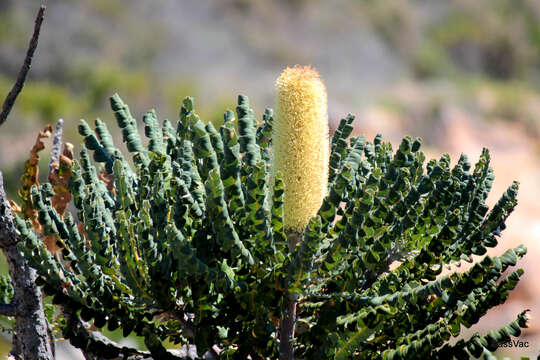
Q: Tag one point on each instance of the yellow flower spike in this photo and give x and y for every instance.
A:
(301, 144)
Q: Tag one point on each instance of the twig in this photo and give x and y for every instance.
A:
(54, 163)
(188, 325)
(19, 84)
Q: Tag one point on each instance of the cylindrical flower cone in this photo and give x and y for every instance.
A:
(301, 144)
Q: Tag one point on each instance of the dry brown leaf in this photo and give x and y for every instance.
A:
(59, 179)
(108, 179)
(14, 207)
(30, 178)
(80, 227)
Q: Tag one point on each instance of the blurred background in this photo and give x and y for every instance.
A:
(461, 74)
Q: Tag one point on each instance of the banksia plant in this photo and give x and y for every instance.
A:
(187, 242)
(300, 153)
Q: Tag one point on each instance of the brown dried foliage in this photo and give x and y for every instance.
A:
(108, 179)
(30, 178)
(59, 178)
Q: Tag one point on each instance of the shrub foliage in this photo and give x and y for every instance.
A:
(184, 242)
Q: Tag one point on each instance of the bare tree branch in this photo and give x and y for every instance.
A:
(31, 340)
(19, 84)
(30, 337)
(8, 309)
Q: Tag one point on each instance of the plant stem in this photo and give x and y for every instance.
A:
(286, 336)
(288, 320)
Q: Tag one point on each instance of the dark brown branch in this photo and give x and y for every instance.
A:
(8, 309)
(189, 327)
(19, 84)
(94, 345)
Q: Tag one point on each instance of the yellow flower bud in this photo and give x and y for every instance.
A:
(300, 144)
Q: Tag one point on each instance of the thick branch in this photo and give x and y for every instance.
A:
(31, 340)
(21, 78)
(94, 345)
(8, 234)
(8, 309)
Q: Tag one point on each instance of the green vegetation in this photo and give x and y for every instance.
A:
(486, 52)
(189, 246)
